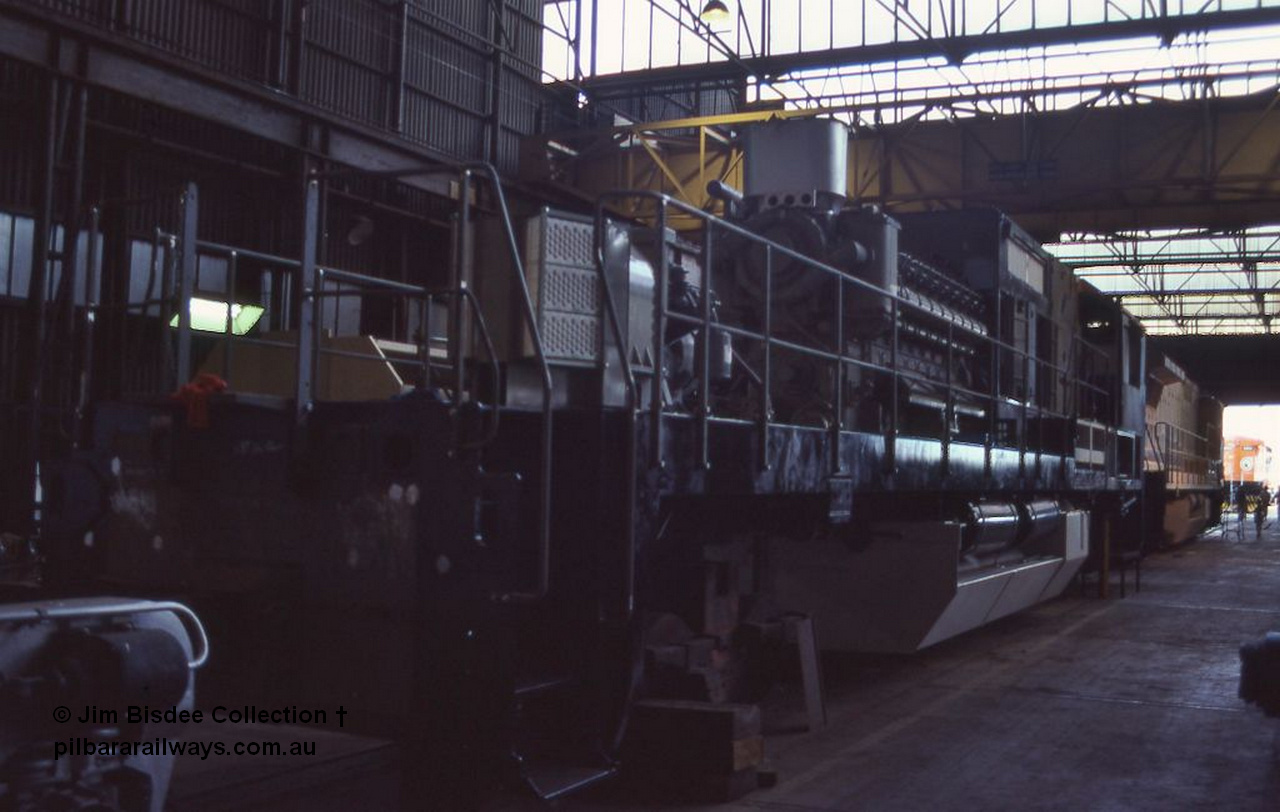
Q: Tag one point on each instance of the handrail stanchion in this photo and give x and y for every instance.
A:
(309, 282)
(131, 344)
(461, 265)
(1040, 410)
(495, 375)
(837, 401)
(232, 262)
(531, 324)
(627, 607)
(424, 324)
(318, 327)
(891, 438)
(993, 416)
(85, 382)
(186, 281)
(659, 340)
(948, 411)
(766, 404)
(168, 271)
(704, 371)
(624, 358)
(1068, 426)
(1026, 413)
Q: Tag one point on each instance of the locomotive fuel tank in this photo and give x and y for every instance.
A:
(904, 586)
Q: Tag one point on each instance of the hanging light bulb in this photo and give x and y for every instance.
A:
(715, 11)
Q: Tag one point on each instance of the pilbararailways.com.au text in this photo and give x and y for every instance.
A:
(80, 746)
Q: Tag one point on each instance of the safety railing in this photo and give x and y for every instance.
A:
(145, 346)
(171, 285)
(463, 304)
(1184, 457)
(334, 284)
(174, 264)
(1154, 458)
(162, 329)
(529, 320)
(140, 326)
(999, 352)
(157, 358)
(1094, 395)
(272, 267)
(317, 284)
(418, 357)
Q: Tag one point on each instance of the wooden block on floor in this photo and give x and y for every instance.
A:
(674, 785)
(695, 758)
(692, 740)
(702, 721)
(719, 789)
(748, 753)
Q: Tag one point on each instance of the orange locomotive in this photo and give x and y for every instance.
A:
(1246, 459)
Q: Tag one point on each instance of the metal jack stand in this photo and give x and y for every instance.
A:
(799, 629)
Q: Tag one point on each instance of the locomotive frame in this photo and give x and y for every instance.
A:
(491, 544)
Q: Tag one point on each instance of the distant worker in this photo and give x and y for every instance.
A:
(1260, 513)
(1242, 509)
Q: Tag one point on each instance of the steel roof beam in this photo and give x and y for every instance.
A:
(955, 49)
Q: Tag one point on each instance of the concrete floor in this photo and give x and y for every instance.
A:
(1080, 704)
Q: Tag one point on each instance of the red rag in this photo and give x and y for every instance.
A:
(195, 396)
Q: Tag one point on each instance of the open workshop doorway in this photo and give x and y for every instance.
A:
(1250, 436)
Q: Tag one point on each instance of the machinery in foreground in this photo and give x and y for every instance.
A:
(488, 503)
(69, 672)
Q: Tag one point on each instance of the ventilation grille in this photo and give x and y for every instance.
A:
(565, 286)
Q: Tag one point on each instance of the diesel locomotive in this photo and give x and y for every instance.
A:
(1184, 481)
(466, 498)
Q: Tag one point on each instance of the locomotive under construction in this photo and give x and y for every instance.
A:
(468, 498)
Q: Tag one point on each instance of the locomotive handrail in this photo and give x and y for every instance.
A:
(1071, 380)
(1153, 443)
(233, 255)
(727, 225)
(1182, 430)
(372, 286)
(827, 355)
(531, 324)
(632, 402)
(464, 172)
(80, 609)
(1175, 459)
(177, 286)
(611, 310)
(92, 289)
(426, 295)
(247, 253)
